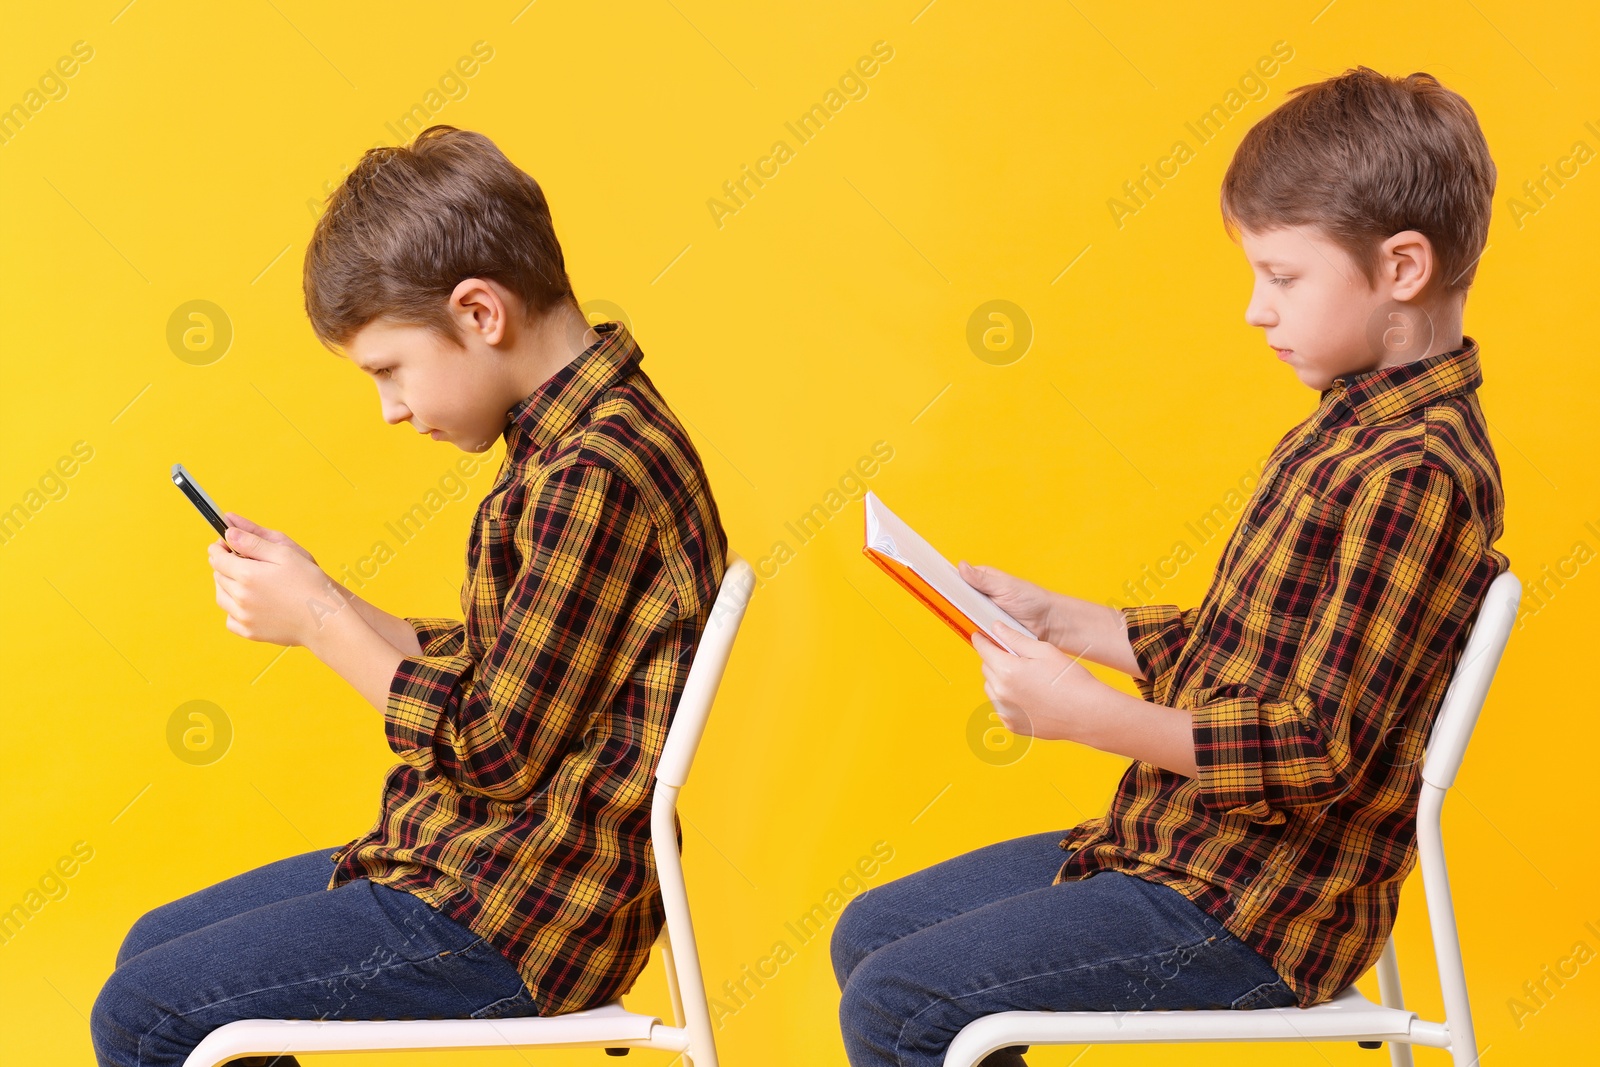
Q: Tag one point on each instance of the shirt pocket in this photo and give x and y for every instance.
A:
(1285, 558)
(1266, 598)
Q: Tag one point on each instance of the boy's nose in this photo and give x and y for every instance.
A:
(1257, 313)
(394, 412)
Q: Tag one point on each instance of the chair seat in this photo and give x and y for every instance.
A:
(254, 1037)
(1347, 1015)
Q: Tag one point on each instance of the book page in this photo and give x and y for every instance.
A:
(889, 534)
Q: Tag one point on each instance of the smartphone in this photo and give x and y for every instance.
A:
(197, 496)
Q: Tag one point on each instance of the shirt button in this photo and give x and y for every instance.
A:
(1338, 383)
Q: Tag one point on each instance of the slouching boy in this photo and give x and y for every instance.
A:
(508, 870)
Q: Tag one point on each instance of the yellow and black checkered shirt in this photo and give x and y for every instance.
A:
(1314, 666)
(529, 734)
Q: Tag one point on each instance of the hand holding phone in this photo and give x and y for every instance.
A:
(220, 522)
(277, 537)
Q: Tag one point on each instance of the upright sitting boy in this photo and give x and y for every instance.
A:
(509, 870)
(1254, 850)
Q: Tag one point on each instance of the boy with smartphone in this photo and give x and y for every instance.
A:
(508, 871)
(1254, 850)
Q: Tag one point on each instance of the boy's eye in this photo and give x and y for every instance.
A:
(380, 372)
(1281, 281)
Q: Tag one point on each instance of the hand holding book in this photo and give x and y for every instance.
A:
(909, 559)
(1032, 605)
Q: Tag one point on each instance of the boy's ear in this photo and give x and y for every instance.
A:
(1407, 264)
(479, 308)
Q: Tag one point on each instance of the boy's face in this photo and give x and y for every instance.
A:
(446, 392)
(1320, 312)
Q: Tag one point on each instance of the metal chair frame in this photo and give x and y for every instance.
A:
(1348, 1015)
(610, 1026)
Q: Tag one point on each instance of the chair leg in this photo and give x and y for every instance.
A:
(672, 977)
(1390, 996)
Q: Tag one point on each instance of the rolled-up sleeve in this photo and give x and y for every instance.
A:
(496, 726)
(438, 636)
(1157, 633)
(1391, 603)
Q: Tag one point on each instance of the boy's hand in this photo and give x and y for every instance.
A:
(271, 589)
(233, 518)
(1029, 604)
(1041, 691)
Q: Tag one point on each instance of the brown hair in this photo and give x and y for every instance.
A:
(1363, 156)
(412, 221)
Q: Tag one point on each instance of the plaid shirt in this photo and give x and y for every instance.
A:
(1314, 667)
(529, 734)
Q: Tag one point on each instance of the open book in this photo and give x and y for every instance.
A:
(932, 579)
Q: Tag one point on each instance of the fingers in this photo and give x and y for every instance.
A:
(254, 546)
(991, 581)
(230, 560)
(232, 586)
(226, 597)
(267, 534)
(1016, 720)
(1016, 638)
(980, 578)
(234, 616)
(236, 519)
(1008, 635)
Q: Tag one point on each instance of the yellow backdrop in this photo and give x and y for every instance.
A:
(805, 216)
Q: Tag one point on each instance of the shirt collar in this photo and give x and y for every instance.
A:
(543, 416)
(1379, 395)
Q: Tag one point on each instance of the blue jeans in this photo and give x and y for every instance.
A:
(919, 957)
(276, 943)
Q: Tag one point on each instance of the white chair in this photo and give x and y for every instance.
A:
(609, 1026)
(1349, 1015)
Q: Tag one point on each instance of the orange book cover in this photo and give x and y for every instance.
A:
(917, 566)
(963, 626)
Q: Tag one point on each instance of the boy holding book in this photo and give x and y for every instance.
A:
(1254, 850)
(509, 871)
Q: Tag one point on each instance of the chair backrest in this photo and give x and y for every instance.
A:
(1447, 744)
(1469, 683)
(705, 673)
(681, 954)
